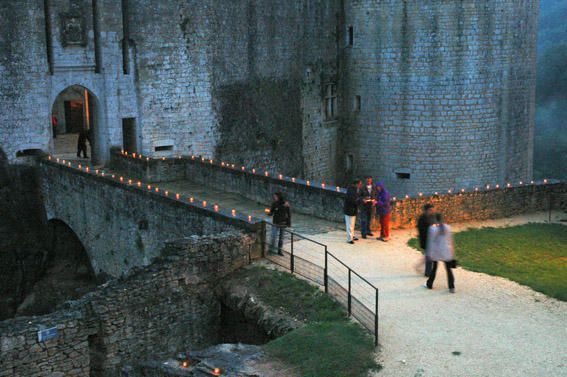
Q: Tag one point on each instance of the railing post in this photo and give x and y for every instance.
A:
(326, 272)
(376, 321)
(349, 294)
(263, 235)
(291, 265)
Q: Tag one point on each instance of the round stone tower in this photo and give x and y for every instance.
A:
(439, 94)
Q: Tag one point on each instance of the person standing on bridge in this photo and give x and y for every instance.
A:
(352, 201)
(281, 219)
(82, 143)
(440, 248)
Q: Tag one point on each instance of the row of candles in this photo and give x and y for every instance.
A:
(337, 188)
(150, 188)
(227, 165)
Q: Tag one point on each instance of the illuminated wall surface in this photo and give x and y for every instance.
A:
(440, 91)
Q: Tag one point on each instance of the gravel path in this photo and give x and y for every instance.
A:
(490, 327)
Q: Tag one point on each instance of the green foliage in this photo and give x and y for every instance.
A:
(327, 349)
(318, 348)
(533, 254)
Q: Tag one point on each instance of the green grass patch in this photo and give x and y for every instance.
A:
(329, 345)
(533, 254)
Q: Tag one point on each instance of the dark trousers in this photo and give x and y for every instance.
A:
(428, 266)
(277, 234)
(365, 219)
(82, 148)
(450, 277)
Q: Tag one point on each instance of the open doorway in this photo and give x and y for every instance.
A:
(74, 124)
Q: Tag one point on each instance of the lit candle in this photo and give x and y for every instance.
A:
(49, 157)
(216, 207)
(323, 184)
(184, 364)
(192, 157)
(293, 179)
(545, 181)
(308, 183)
(163, 158)
(211, 161)
(420, 194)
(216, 372)
(139, 184)
(113, 176)
(79, 166)
(449, 191)
(249, 218)
(338, 188)
(69, 164)
(134, 155)
(147, 159)
(87, 169)
(191, 199)
(253, 170)
(394, 199)
(280, 176)
(266, 173)
(487, 187)
(149, 187)
(407, 196)
(57, 160)
(129, 181)
(462, 190)
(177, 196)
(204, 203)
(242, 168)
(532, 182)
(222, 163)
(508, 184)
(102, 174)
(521, 183)
(436, 193)
(476, 189)
(167, 193)
(233, 212)
(121, 179)
(157, 189)
(266, 210)
(497, 186)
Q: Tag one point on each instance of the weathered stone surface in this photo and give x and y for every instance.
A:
(167, 307)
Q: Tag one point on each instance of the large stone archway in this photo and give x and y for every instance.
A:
(76, 109)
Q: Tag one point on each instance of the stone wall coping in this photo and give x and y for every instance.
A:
(261, 174)
(320, 186)
(155, 193)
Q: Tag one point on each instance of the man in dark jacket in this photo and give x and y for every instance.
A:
(82, 143)
(352, 201)
(281, 219)
(368, 193)
(423, 223)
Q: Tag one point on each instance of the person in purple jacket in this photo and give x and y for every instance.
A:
(383, 210)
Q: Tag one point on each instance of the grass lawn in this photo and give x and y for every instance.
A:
(329, 345)
(533, 254)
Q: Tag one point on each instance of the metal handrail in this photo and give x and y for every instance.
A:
(293, 236)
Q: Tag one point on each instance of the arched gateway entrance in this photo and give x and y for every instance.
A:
(75, 121)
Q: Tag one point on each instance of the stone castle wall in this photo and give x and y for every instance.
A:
(327, 202)
(446, 88)
(122, 225)
(447, 91)
(161, 309)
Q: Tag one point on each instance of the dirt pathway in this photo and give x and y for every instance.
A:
(490, 327)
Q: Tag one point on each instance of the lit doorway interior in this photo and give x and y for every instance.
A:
(73, 122)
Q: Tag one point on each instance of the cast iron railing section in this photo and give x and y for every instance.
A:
(357, 294)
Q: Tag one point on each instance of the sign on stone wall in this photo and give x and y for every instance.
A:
(73, 29)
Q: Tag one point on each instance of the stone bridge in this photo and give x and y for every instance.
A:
(121, 223)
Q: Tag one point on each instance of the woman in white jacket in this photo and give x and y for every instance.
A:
(440, 248)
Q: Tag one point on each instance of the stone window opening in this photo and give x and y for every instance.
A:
(330, 108)
(403, 174)
(357, 103)
(350, 36)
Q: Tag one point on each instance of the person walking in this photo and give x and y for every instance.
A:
(423, 223)
(383, 210)
(368, 193)
(440, 248)
(281, 219)
(82, 143)
(350, 208)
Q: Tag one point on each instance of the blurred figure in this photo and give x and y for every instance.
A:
(82, 143)
(281, 219)
(368, 193)
(383, 210)
(54, 125)
(352, 201)
(440, 248)
(426, 219)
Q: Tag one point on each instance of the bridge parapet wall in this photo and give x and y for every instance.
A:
(481, 203)
(121, 223)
